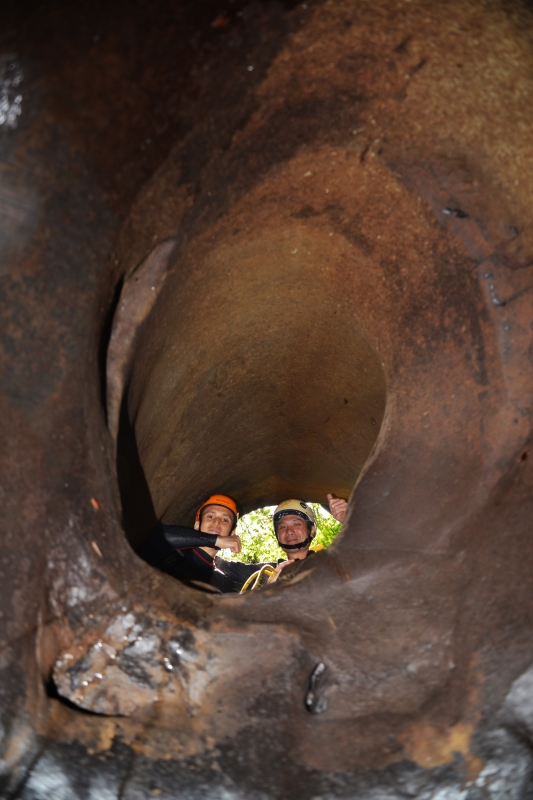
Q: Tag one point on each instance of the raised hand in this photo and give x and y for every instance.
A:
(338, 507)
(273, 578)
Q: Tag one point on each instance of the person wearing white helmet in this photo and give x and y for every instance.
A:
(295, 528)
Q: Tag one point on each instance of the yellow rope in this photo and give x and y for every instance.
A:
(257, 577)
(268, 569)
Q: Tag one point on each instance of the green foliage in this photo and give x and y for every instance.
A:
(327, 526)
(257, 535)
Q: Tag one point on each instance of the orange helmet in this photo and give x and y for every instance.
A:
(220, 500)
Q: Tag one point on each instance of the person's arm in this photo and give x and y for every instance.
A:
(179, 537)
(164, 539)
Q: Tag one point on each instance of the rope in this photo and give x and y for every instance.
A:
(257, 577)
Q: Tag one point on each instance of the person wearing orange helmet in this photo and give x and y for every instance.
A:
(189, 553)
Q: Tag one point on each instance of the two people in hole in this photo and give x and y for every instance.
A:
(190, 554)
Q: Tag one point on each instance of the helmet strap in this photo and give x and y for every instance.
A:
(298, 546)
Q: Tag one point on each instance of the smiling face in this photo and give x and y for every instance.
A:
(292, 529)
(216, 519)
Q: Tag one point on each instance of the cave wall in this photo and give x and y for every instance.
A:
(267, 250)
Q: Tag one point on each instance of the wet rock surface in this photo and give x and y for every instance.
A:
(332, 203)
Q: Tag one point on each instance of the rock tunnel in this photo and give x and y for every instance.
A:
(271, 249)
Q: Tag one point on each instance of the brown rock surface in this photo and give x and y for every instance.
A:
(333, 200)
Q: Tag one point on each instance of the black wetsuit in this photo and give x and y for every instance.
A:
(176, 550)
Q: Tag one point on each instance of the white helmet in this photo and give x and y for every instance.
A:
(303, 510)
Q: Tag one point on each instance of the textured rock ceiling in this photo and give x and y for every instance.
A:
(268, 249)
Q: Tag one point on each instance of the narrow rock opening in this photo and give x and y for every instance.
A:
(252, 376)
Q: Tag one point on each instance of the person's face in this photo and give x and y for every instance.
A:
(292, 529)
(215, 519)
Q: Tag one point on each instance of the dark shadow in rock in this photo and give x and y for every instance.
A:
(138, 514)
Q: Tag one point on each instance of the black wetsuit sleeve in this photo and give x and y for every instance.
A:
(179, 537)
(162, 539)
